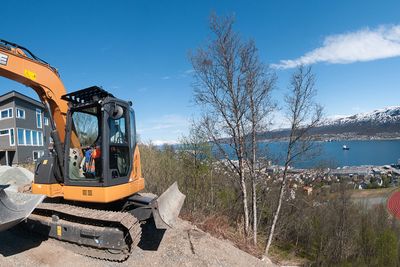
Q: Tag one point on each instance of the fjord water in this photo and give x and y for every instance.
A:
(331, 154)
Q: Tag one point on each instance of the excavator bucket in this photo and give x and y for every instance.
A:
(15, 207)
(166, 207)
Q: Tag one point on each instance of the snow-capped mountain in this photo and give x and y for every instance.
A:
(378, 123)
(382, 123)
(379, 116)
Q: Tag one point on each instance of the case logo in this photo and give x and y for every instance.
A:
(3, 59)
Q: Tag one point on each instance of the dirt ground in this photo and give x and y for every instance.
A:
(185, 245)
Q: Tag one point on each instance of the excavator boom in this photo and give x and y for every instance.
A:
(19, 64)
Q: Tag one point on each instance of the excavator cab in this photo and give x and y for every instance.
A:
(100, 139)
(99, 153)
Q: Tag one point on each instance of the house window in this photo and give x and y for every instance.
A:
(20, 113)
(38, 118)
(35, 138)
(4, 132)
(40, 138)
(21, 137)
(37, 155)
(28, 137)
(6, 113)
(10, 133)
(12, 137)
(46, 121)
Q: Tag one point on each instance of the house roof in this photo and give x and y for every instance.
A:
(15, 94)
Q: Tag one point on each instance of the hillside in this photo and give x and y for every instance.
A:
(185, 245)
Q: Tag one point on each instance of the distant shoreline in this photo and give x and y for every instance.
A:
(338, 138)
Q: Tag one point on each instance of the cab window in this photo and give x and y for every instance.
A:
(119, 146)
(84, 154)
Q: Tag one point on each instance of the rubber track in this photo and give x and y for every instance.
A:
(126, 220)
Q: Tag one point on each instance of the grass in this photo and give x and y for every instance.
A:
(369, 193)
(286, 256)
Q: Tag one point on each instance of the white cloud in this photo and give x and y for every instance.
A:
(163, 142)
(363, 45)
(164, 129)
(179, 74)
(169, 121)
(189, 71)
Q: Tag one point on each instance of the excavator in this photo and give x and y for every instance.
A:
(87, 187)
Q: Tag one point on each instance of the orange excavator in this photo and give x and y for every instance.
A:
(86, 188)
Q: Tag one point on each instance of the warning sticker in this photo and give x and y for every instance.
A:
(30, 75)
(3, 59)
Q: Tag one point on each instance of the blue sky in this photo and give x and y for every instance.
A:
(138, 50)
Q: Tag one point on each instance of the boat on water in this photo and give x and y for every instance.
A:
(345, 147)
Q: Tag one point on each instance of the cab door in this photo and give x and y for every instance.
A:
(117, 144)
(83, 140)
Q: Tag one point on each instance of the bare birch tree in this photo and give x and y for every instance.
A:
(226, 72)
(219, 88)
(259, 84)
(303, 115)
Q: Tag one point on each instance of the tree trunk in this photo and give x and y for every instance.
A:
(254, 211)
(253, 166)
(244, 198)
(253, 178)
(278, 209)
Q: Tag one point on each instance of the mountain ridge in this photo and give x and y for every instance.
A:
(384, 115)
(377, 124)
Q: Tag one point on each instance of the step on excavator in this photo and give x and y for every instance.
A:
(86, 187)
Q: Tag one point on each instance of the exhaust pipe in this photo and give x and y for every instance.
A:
(16, 207)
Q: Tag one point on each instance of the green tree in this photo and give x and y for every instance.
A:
(387, 250)
(367, 240)
(196, 161)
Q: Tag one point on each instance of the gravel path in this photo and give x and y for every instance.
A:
(183, 246)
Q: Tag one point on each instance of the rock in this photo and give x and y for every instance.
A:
(16, 177)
